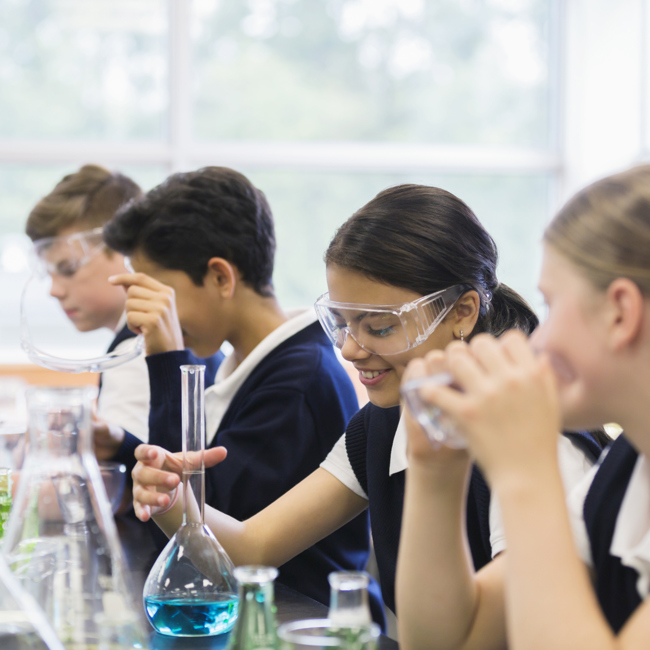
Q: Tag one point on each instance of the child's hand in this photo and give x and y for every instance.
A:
(151, 311)
(107, 438)
(441, 460)
(158, 473)
(507, 408)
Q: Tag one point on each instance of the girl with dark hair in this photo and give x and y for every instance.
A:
(576, 579)
(410, 272)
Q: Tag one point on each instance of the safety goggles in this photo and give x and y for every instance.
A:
(386, 329)
(66, 255)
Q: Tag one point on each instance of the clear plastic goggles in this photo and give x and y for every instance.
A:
(66, 255)
(386, 329)
(48, 336)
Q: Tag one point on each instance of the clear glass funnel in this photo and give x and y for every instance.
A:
(191, 590)
(61, 542)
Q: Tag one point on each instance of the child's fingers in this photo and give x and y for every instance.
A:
(214, 456)
(145, 496)
(143, 513)
(150, 454)
(127, 280)
(490, 353)
(415, 369)
(464, 367)
(154, 477)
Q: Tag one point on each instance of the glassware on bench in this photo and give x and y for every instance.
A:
(438, 427)
(61, 542)
(13, 427)
(256, 626)
(323, 633)
(191, 590)
(23, 625)
(349, 605)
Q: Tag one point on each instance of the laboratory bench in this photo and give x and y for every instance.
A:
(140, 553)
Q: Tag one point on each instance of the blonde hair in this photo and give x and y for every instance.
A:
(604, 230)
(86, 199)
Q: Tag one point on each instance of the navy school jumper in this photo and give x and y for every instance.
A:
(126, 452)
(615, 583)
(123, 335)
(279, 427)
(371, 463)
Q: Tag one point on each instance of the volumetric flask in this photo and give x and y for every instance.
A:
(61, 542)
(191, 590)
(322, 633)
(436, 424)
(23, 625)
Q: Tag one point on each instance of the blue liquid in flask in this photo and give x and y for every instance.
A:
(192, 617)
(191, 590)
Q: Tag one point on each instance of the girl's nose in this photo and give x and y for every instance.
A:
(351, 350)
(57, 290)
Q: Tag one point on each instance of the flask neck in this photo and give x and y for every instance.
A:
(256, 626)
(349, 605)
(193, 429)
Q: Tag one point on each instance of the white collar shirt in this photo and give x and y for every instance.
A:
(230, 376)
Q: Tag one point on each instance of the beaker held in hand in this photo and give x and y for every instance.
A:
(191, 590)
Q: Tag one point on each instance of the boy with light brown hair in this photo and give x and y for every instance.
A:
(66, 228)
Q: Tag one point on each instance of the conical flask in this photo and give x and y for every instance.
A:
(349, 605)
(191, 590)
(256, 627)
(61, 542)
(23, 625)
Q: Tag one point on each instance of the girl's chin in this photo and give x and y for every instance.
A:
(382, 399)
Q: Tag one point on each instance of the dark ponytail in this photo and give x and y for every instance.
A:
(508, 310)
(425, 239)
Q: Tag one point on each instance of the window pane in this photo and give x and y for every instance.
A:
(398, 70)
(21, 186)
(74, 68)
(308, 208)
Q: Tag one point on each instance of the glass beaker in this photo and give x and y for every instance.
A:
(436, 424)
(349, 605)
(23, 625)
(323, 634)
(256, 626)
(191, 590)
(61, 542)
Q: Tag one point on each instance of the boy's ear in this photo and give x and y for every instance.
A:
(222, 275)
(626, 312)
(466, 312)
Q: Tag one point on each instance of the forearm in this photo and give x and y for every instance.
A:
(437, 593)
(550, 599)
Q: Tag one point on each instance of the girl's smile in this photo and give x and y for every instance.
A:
(381, 375)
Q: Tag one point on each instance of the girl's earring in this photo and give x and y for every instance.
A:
(462, 338)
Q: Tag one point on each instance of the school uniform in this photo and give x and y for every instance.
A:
(123, 397)
(278, 413)
(370, 459)
(613, 533)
